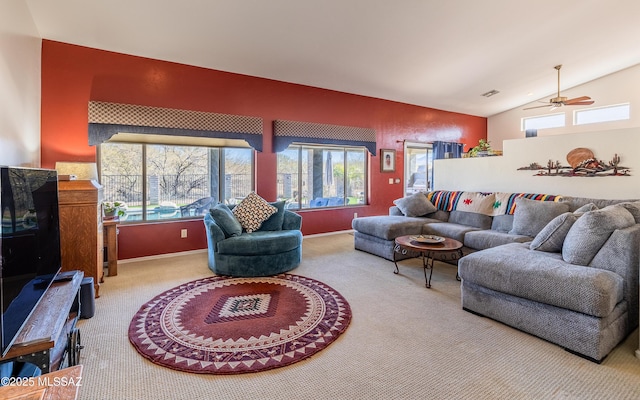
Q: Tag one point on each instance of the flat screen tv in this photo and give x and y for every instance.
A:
(30, 244)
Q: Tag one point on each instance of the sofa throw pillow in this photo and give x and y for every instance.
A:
(415, 205)
(586, 208)
(591, 231)
(551, 237)
(226, 220)
(500, 203)
(530, 216)
(476, 202)
(252, 211)
(274, 223)
(633, 208)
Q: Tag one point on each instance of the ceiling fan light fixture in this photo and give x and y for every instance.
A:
(560, 101)
(490, 93)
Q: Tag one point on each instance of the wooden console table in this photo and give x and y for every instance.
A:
(46, 337)
(111, 242)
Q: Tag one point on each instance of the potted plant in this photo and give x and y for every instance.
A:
(113, 209)
(481, 150)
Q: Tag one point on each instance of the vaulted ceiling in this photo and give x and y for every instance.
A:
(432, 53)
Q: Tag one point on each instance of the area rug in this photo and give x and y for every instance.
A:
(223, 325)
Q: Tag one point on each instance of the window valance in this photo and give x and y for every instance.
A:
(287, 132)
(107, 119)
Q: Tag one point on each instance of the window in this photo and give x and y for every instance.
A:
(602, 114)
(543, 122)
(161, 182)
(418, 167)
(319, 176)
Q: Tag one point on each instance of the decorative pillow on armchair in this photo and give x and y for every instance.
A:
(252, 211)
(226, 220)
(274, 222)
(415, 205)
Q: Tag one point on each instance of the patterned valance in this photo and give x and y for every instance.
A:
(287, 132)
(107, 119)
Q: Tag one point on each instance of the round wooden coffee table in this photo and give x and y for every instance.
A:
(447, 250)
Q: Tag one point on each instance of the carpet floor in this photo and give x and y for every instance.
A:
(404, 342)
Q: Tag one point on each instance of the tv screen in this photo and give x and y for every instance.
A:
(30, 244)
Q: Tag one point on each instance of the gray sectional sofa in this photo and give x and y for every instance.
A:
(562, 268)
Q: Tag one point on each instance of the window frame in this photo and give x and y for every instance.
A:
(301, 147)
(595, 109)
(144, 173)
(523, 121)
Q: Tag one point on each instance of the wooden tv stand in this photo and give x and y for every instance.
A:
(50, 337)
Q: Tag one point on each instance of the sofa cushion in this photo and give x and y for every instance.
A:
(252, 211)
(552, 236)
(389, 227)
(274, 222)
(260, 243)
(591, 231)
(543, 277)
(448, 229)
(484, 239)
(415, 205)
(502, 223)
(531, 216)
(225, 219)
(476, 220)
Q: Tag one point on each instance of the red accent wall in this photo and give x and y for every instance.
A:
(72, 75)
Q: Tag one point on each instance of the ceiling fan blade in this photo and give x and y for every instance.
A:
(580, 103)
(582, 98)
(530, 108)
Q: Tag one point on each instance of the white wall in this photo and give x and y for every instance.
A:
(501, 174)
(620, 87)
(20, 70)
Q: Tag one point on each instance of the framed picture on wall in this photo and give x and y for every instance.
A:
(387, 160)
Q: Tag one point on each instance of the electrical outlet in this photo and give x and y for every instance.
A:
(355, 215)
(183, 233)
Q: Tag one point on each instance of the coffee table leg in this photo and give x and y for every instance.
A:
(396, 249)
(427, 264)
(457, 255)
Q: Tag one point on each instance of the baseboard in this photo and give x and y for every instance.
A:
(350, 231)
(158, 256)
(184, 253)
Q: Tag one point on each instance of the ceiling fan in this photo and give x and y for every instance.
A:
(560, 101)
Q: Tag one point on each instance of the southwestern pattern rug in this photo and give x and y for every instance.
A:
(223, 325)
